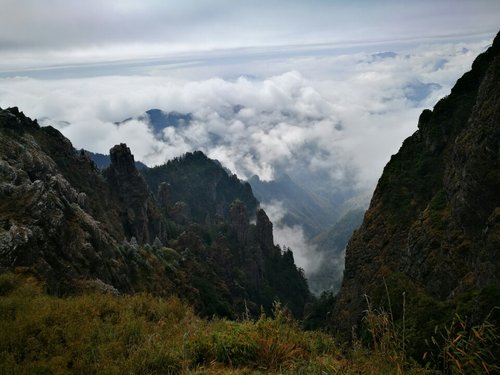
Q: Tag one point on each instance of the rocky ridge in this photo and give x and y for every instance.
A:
(433, 226)
(50, 224)
(75, 228)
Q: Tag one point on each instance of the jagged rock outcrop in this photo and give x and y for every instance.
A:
(434, 219)
(104, 161)
(264, 231)
(252, 271)
(140, 217)
(238, 221)
(164, 194)
(47, 225)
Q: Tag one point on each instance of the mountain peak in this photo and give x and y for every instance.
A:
(12, 118)
(139, 217)
(122, 158)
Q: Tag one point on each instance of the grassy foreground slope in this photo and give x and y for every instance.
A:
(141, 334)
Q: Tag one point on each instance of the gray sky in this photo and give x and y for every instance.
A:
(36, 33)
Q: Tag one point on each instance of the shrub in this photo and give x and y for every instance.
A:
(269, 344)
(226, 342)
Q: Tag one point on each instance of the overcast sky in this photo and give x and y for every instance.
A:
(328, 90)
(36, 33)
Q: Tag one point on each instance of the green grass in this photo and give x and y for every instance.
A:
(142, 334)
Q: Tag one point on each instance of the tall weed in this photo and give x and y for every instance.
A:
(465, 349)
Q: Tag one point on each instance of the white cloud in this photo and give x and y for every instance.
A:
(337, 116)
(305, 254)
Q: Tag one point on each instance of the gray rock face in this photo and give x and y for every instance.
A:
(264, 232)
(140, 217)
(45, 222)
(164, 195)
(238, 220)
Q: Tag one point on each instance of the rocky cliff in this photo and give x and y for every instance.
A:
(75, 228)
(433, 226)
(140, 216)
(53, 220)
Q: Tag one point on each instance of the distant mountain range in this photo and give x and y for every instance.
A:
(330, 245)
(158, 120)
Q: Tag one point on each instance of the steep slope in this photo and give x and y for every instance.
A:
(205, 189)
(75, 228)
(433, 226)
(139, 215)
(58, 215)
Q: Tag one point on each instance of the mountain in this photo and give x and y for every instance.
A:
(328, 223)
(311, 203)
(158, 120)
(430, 239)
(59, 216)
(202, 183)
(76, 228)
